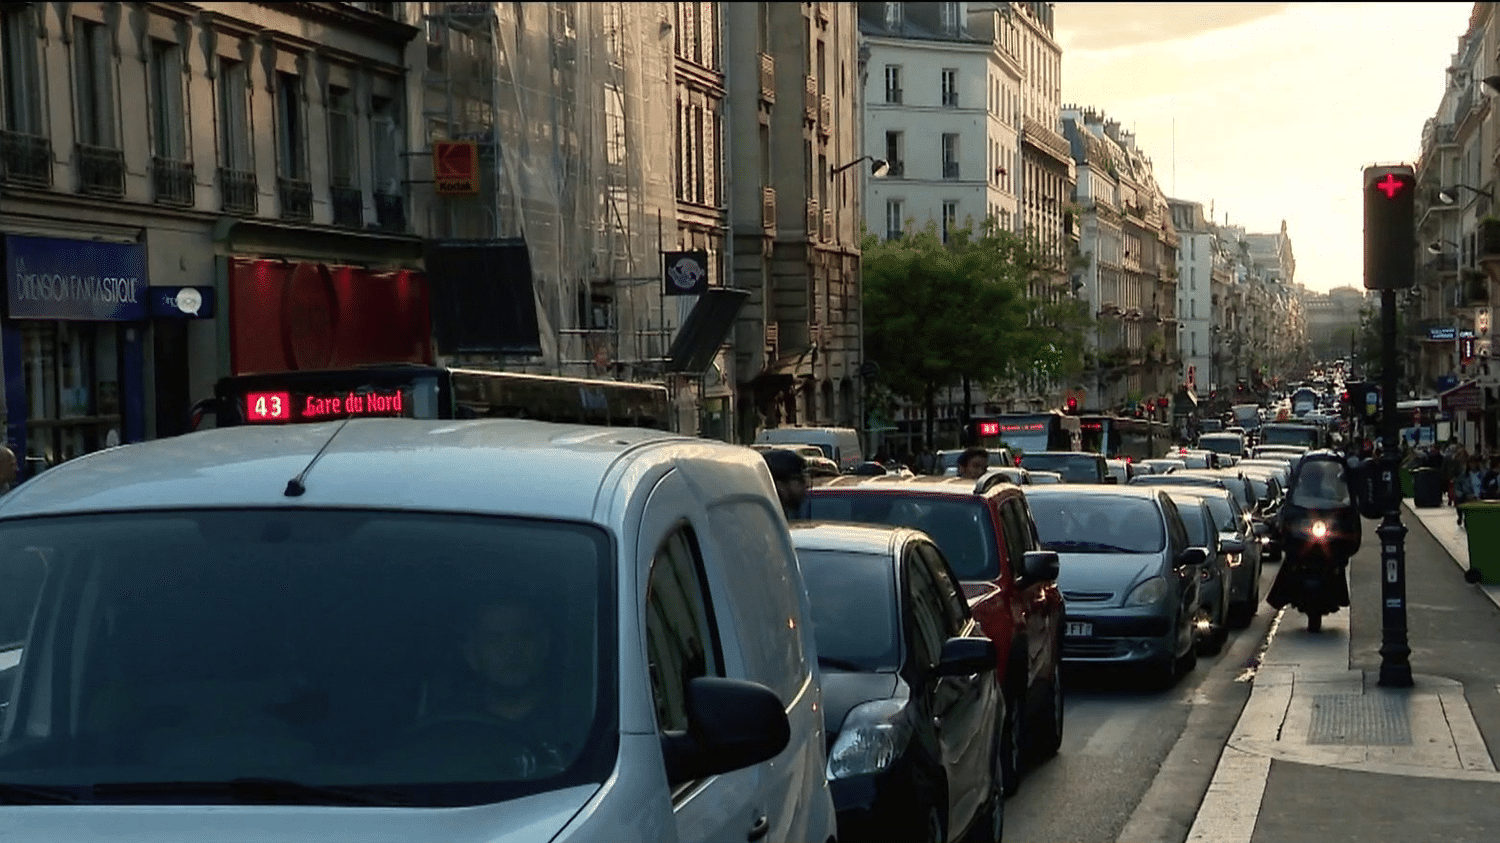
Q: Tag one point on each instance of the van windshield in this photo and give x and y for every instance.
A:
(398, 658)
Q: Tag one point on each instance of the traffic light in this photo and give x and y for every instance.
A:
(1390, 227)
(1071, 406)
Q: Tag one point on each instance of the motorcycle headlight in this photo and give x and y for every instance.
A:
(1148, 592)
(874, 733)
(1319, 530)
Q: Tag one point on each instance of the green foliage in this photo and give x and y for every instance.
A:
(937, 312)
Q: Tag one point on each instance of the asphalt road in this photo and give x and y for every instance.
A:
(1135, 763)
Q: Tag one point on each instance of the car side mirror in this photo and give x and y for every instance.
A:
(1039, 566)
(963, 656)
(1192, 556)
(732, 724)
(1111, 480)
(1231, 544)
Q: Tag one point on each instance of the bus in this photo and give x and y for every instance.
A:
(1027, 433)
(431, 392)
(1119, 438)
(1422, 422)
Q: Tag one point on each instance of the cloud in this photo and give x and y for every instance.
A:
(1113, 26)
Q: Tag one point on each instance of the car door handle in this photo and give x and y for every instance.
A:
(758, 828)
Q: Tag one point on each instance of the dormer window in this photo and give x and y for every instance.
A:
(949, 17)
(893, 16)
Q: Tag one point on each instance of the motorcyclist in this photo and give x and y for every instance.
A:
(1321, 530)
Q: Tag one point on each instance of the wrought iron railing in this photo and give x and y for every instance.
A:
(239, 191)
(348, 205)
(390, 212)
(295, 197)
(26, 159)
(101, 171)
(172, 182)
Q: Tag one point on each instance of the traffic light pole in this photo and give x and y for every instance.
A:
(1395, 652)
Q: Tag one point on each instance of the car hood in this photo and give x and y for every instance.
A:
(843, 690)
(1104, 577)
(538, 817)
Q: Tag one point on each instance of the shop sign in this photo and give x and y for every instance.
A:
(182, 302)
(82, 280)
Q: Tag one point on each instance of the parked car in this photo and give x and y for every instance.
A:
(911, 708)
(291, 632)
(1246, 553)
(1265, 484)
(1129, 575)
(1203, 531)
(1074, 466)
(1163, 466)
(986, 533)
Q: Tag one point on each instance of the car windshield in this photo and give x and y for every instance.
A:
(853, 597)
(960, 526)
(1222, 444)
(437, 660)
(1320, 484)
(1075, 468)
(1093, 523)
(1225, 514)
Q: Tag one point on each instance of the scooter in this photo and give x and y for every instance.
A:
(1317, 552)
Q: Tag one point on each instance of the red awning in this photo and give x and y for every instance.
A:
(1465, 396)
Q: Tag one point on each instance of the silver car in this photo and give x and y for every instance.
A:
(1129, 574)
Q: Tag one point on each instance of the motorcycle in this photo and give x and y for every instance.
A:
(1321, 530)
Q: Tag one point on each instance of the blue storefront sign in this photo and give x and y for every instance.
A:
(1442, 334)
(85, 280)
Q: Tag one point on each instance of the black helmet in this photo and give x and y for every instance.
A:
(785, 464)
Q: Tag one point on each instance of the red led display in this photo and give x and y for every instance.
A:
(989, 428)
(287, 407)
(1390, 185)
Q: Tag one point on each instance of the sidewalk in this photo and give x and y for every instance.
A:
(1322, 753)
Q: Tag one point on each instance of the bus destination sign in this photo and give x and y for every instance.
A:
(286, 407)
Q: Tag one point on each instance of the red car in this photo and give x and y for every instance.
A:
(986, 531)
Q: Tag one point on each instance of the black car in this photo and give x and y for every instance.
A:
(909, 697)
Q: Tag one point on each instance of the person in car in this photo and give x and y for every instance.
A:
(789, 471)
(973, 463)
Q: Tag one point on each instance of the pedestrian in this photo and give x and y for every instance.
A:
(1489, 483)
(1466, 484)
(973, 463)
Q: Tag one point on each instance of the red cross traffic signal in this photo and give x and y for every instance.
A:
(1390, 227)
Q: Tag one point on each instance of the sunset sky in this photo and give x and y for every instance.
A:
(1277, 107)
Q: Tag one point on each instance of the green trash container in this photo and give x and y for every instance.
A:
(1407, 486)
(1482, 523)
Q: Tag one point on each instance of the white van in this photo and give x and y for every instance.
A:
(408, 630)
(840, 444)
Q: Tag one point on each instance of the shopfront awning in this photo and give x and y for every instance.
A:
(1465, 396)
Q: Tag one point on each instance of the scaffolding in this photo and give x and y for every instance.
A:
(571, 108)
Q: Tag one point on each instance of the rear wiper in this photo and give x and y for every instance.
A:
(35, 794)
(841, 664)
(262, 791)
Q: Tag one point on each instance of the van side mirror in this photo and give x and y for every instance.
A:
(1039, 566)
(732, 724)
(963, 656)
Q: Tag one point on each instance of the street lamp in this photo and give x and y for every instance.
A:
(1449, 195)
(878, 166)
(1436, 246)
(1490, 86)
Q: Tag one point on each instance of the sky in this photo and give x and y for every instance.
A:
(1268, 110)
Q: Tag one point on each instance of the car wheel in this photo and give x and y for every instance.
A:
(1164, 672)
(1012, 739)
(1049, 733)
(989, 825)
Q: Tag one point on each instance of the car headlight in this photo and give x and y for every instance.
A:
(874, 733)
(1151, 591)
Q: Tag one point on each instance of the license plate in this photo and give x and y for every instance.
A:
(1075, 629)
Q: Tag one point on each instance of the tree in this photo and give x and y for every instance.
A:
(939, 313)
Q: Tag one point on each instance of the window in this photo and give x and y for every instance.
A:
(290, 125)
(949, 17)
(680, 643)
(955, 604)
(925, 630)
(234, 117)
(950, 155)
(1017, 534)
(950, 218)
(766, 596)
(895, 153)
(343, 147)
(92, 59)
(895, 219)
(22, 69)
(950, 86)
(893, 84)
(893, 16)
(385, 131)
(168, 116)
(72, 377)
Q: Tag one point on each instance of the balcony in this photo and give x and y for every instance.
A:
(295, 197)
(768, 208)
(892, 96)
(390, 212)
(950, 99)
(814, 219)
(895, 168)
(950, 169)
(828, 232)
(101, 171)
(240, 192)
(825, 115)
(25, 159)
(810, 100)
(172, 182)
(767, 79)
(348, 206)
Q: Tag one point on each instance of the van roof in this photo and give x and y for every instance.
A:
(507, 466)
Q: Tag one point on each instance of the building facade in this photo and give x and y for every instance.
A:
(190, 190)
(793, 110)
(1197, 258)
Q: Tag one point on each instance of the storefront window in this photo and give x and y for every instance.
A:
(72, 388)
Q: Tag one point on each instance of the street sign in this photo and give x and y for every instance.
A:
(455, 168)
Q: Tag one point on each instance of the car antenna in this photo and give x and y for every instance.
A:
(296, 486)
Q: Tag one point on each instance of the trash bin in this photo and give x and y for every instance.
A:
(1482, 523)
(1426, 487)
